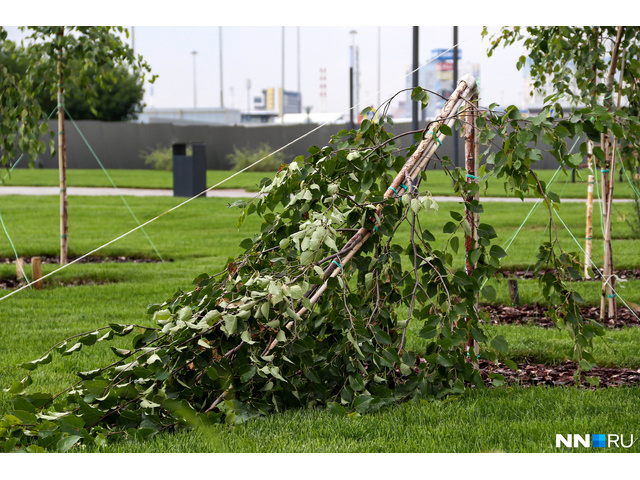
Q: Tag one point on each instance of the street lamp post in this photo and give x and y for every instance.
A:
(351, 79)
(248, 95)
(221, 86)
(195, 102)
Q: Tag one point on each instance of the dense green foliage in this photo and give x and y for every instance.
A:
(118, 99)
(595, 66)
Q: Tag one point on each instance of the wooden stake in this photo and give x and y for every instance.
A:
(514, 295)
(36, 266)
(20, 276)
(62, 162)
(589, 230)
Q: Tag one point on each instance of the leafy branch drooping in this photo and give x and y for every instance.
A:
(350, 225)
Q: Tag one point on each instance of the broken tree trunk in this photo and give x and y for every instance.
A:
(408, 175)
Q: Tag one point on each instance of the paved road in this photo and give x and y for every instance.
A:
(226, 193)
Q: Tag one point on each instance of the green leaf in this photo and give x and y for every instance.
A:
(497, 251)
(444, 360)
(449, 227)
(496, 379)
(230, 324)
(574, 160)
(500, 344)
(445, 130)
(455, 242)
(489, 293)
(76, 348)
(585, 365)
(511, 364)
(329, 242)
(36, 363)
(356, 382)
(247, 372)
(66, 443)
(337, 409)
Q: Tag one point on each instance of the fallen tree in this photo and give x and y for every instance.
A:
(347, 225)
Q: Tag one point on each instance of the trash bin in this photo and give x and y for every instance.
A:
(189, 172)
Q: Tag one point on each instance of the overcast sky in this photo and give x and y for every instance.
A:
(253, 53)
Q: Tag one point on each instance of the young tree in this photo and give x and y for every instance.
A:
(53, 50)
(580, 64)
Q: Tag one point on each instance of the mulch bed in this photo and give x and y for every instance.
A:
(535, 314)
(90, 259)
(560, 375)
(10, 283)
(628, 274)
(526, 375)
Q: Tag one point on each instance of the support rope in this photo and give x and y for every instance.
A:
(4, 227)
(596, 267)
(113, 183)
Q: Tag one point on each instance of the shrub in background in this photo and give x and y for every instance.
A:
(243, 157)
(160, 157)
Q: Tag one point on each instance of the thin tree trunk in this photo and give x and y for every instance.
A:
(589, 229)
(62, 164)
(608, 178)
(471, 165)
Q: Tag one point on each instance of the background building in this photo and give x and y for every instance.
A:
(437, 76)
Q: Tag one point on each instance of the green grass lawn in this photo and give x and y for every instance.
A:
(201, 235)
(438, 182)
(126, 178)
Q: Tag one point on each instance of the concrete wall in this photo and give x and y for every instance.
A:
(119, 145)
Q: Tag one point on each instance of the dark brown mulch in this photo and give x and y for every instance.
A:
(624, 274)
(90, 259)
(535, 315)
(9, 283)
(560, 375)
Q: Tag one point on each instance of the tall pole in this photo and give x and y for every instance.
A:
(455, 82)
(298, 42)
(195, 102)
(248, 95)
(379, 64)
(415, 77)
(352, 54)
(62, 161)
(282, 82)
(221, 84)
